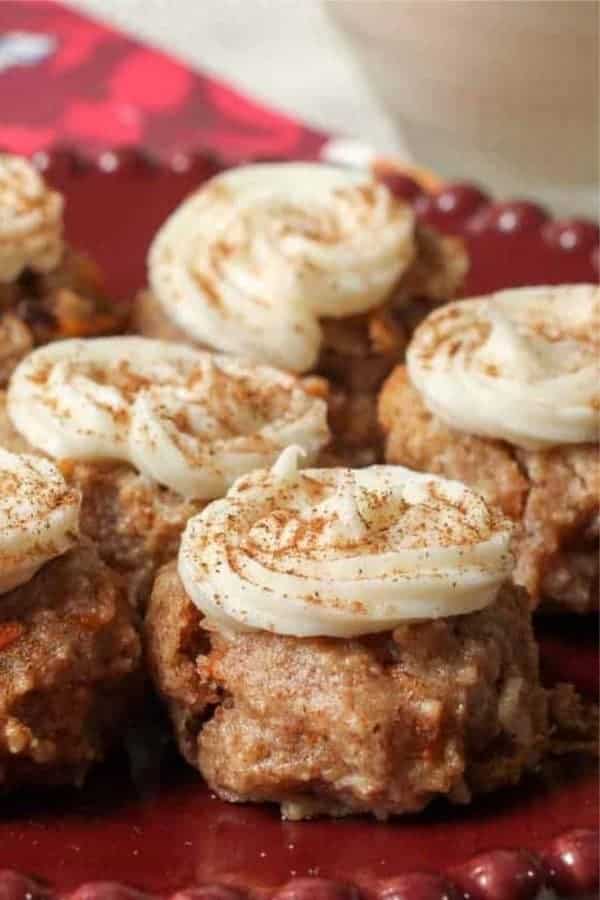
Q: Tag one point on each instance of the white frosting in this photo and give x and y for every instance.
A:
(251, 261)
(188, 419)
(30, 220)
(521, 365)
(342, 552)
(39, 516)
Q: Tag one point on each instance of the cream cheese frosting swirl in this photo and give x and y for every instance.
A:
(342, 552)
(521, 365)
(30, 220)
(251, 261)
(187, 419)
(39, 516)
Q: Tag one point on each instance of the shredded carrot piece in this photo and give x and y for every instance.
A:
(87, 327)
(10, 632)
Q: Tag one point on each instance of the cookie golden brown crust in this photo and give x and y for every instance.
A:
(70, 301)
(16, 340)
(359, 351)
(148, 318)
(70, 660)
(381, 724)
(135, 523)
(552, 495)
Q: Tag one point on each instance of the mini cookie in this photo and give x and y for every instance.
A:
(303, 266)
(502, 392)
(69, 650)
(150, 431)
(346, 641)
(46, 290)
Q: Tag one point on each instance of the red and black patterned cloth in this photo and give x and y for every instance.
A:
(66, 79)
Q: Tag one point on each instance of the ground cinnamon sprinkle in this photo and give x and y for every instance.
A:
(210, 289)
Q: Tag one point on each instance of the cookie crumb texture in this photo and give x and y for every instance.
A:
(380, 725)
(70, 660)
(135, 523)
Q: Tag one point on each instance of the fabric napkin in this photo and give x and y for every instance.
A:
(66, 79)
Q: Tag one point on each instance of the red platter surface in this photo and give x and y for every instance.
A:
(173, 834)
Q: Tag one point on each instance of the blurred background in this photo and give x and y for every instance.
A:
(285, 52)
(501, 92)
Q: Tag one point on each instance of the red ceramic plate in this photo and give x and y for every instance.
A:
(173, 834)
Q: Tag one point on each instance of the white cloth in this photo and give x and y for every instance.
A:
(282, 52)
